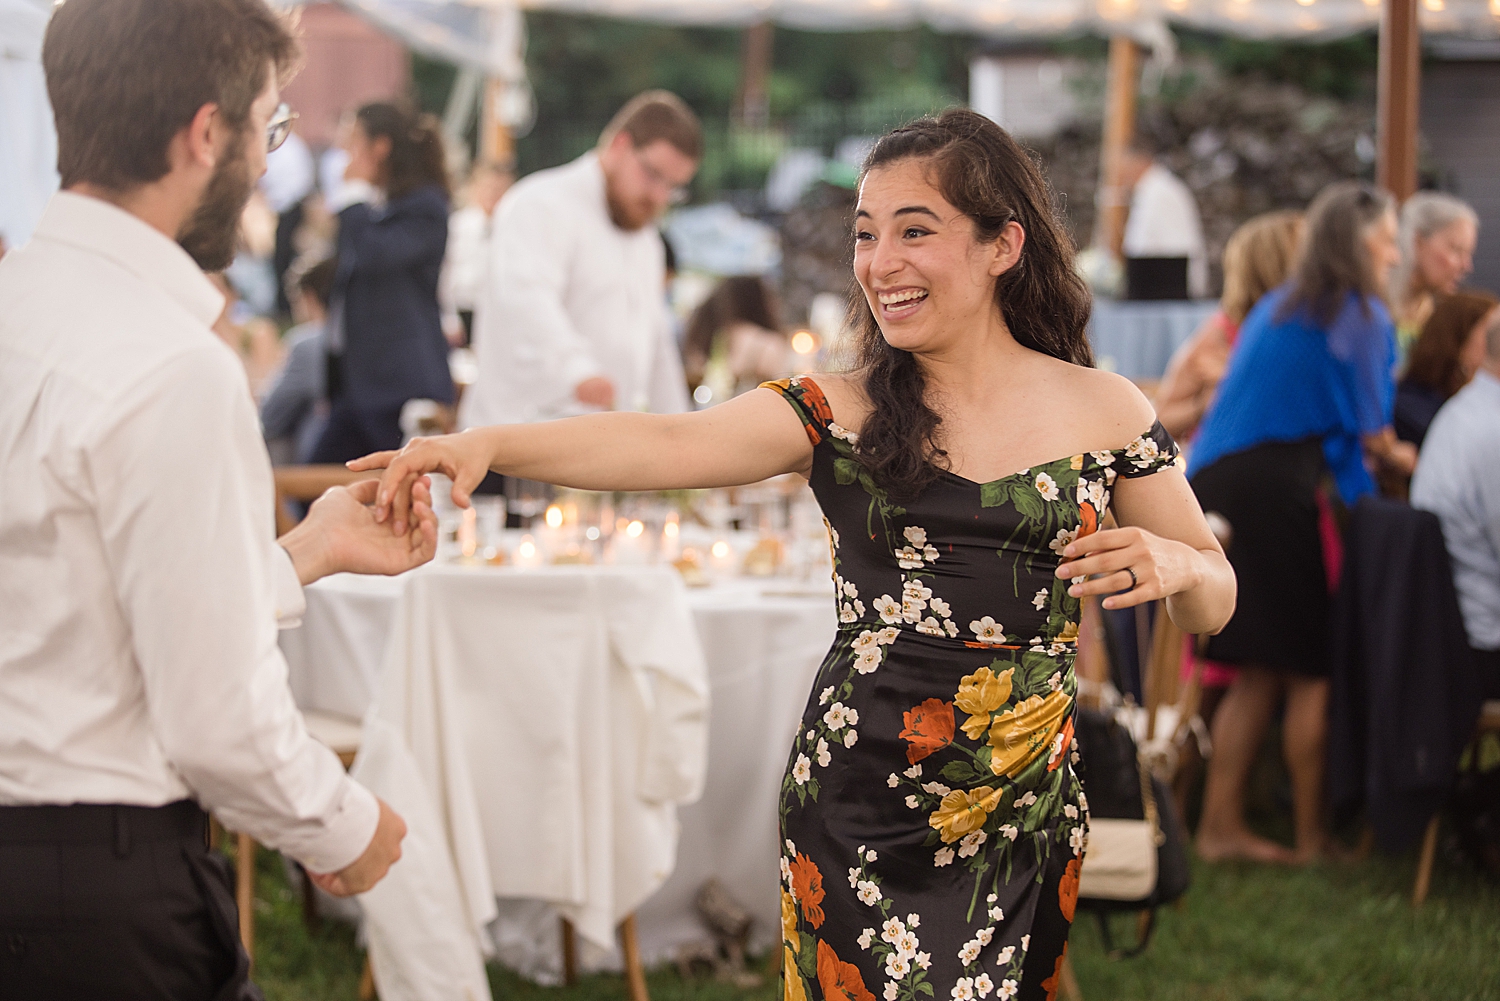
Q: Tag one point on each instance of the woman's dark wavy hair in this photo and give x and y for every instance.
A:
(1332, 260)
(417, 159)
(993, 180)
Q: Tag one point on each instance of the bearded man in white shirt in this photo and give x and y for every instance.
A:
(572, 319)
(140, 585)
(1163, 219)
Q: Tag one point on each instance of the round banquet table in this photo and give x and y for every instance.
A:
(762, 641)
(1137, 338)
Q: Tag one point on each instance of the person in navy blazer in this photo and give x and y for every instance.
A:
(386, 342)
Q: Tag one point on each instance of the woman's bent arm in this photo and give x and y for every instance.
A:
(747, 439)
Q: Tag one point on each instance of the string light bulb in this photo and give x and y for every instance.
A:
(1435, 5)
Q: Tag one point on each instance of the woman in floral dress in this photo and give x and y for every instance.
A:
(932, 824)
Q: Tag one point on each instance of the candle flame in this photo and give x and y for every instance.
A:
(554, 517)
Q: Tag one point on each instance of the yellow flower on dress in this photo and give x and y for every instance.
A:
(1023, 734)
(1076, 462)
(789, 922)
(1069, 634)
(980, 694)
(793, 979)
(962, 812)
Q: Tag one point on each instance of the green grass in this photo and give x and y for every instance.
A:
(1243, 933)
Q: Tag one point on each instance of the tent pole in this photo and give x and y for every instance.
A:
(1123, 88)
(495, 142)
(1399, 85)
(752, 104)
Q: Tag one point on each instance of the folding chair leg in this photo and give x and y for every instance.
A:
(1069, 986)
(570, 953)
(635, 974)
(367, 982)
(244, 891)
(1424, 865)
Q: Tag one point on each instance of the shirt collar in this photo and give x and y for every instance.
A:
(98, 227)
(1486, 382)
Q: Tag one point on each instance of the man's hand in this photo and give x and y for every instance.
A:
(596, 392)
(383, 851)
(340, 534)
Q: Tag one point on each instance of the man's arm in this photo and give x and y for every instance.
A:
(183, 498)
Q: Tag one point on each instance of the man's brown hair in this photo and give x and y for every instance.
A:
(125, 76)
(654, 115)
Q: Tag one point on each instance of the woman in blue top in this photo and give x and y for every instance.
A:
(1304, 410)
(385, 333)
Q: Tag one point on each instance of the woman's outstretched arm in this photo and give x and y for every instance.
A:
(747, 439)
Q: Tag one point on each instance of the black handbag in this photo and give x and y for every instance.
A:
(1137, 858)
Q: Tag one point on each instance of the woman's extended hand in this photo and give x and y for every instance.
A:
(463, 458)
(1162, 567)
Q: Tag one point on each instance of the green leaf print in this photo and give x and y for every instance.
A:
(807, 959)
(845, 471)
(1029, 503)
(960, 771)
(994, 494)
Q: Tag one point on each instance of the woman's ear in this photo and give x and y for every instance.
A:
(1007, 247)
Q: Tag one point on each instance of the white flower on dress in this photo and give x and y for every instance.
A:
(870, 855)
(1092, 493)
(1077, 840)
(786, 869)
(942, 857)
(891, 929)
(992, 898)
(897, 966)
(930, 626)
(906, 943)
(827, 694)
(837, 717)
(811, 734)
(833, 532)
(1026, 800)
(913, 921)
(1104, 458)
(1047, 487)
(867, 662)
(912, 803)
(791, 849)
(987, 630)
(936, 788)
(1006, 955)
(1025, 943)
(916, 536)
(996, 914)
(1065, 537)
(842, 433)
(868, 893)
(850, 590)
(924, 960)
(930, 554)
(866, 641)
(1057, 749)
(1008, 990)
(888, 635)
(963, 990)
(802, 770)
(848, 614)
(866, 937)
(1009, 831)
(1070, 811)
(890, 990)
(940, 608)
(1040, 601)
(1055, 682)
(1143, 452)
(951, 628)
(916, 589)
(852, 715)
(984, 936)
(969, 846)
(850, 738)
(969, 952)
(983, 985)
(823, 756)
(854, 874)
(914, 772)
(908, 558)
(893, 781)
(1083, 801)
(887, 608)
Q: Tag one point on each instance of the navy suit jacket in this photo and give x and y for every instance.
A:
(387, 284)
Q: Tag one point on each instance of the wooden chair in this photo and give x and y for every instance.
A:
(307, 483)
(1489, 722)
(635, 973)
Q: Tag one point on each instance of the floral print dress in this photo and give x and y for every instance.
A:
(932, 826)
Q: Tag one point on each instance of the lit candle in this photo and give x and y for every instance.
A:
(527, 554)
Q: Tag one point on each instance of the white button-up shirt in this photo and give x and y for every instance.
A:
(140, 582)
(570, 296)
(1164, 222)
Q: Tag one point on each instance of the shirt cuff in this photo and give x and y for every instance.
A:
(291, 603)
(347, 833)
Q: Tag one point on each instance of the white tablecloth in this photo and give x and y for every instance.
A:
(509, 638)
(1136, 339)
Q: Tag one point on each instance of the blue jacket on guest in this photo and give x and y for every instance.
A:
(386, 293)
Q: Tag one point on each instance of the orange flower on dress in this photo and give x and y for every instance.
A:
(1067, 888)
(1089, 518)
(807, 886)
(840, 980)
(1062, 750)
(929, 728)
(814, 400)
(1051, 984)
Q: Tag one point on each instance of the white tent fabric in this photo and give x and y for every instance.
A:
(28, 144)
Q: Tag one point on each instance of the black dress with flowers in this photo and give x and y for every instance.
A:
(932, 825)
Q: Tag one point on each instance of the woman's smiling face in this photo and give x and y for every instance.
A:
(926, 277)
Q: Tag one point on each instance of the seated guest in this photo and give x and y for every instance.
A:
(1438, 235)
(734, 340)
(295, 406)
(1257, 258)
(1458, 479)
(1444, 358)
(1307, 397)
(385, 336)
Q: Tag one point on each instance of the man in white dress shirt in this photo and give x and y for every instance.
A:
(1163, 220)
(140, 585)
(573, 320)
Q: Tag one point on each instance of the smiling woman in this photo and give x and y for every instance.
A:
(964, 470)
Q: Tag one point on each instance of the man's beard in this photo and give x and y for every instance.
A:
(629, 216)
(212, 233)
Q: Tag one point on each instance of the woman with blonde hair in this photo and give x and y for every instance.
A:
(1257, 258)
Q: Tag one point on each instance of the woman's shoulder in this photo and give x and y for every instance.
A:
(1117, 408)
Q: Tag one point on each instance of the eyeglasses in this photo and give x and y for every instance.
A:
(279, 127)
(675, 195)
